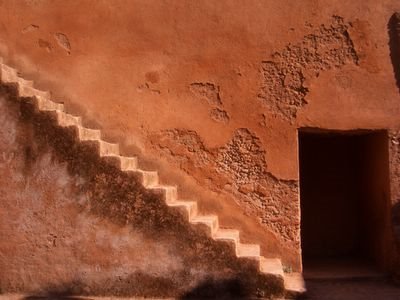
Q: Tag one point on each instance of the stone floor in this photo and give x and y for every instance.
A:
(365, 289)
(337, 289)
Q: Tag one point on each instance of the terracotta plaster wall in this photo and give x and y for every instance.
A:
(212, 92)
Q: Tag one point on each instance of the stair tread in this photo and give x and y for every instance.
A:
(163, 186)
(294, 282)
(67, 119)
(128, 157)
(227, 234)
(204, 218)
(183, 203)
(107, 143)
(145, 171)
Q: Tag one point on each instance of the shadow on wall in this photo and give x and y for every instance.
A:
(222, 289)
(211, 270)
(209, 289)
(394, 44)
(64, 292)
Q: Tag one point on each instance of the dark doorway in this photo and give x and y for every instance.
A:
(344, 190)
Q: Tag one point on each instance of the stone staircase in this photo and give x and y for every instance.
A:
(292, 284)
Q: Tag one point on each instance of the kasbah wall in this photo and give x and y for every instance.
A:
(211, 93)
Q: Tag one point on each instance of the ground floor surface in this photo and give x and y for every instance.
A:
(365, 289)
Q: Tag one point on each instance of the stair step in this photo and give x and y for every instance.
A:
(24, 82)
(227, 235)
(123, 163)
(147, 178)
(108, 149)
(189, 207)
(67, 120)
(45, 104)
(248, 250)
(170, 192)
(209, 220)
(8, 74)
(128, 163)
(271, 266)
(86, 134)
(25, 90)
(294, 284)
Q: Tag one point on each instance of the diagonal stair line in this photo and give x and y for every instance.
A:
(293, 284)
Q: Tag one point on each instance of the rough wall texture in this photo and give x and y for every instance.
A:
(241, 170)
(211, 96)
(283, 87)
(394, 151)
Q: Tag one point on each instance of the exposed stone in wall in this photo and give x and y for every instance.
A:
(63, 41)
(185, 146)
(219, 115)
(394, 148)
(146, 88)
(394, 168)
(241, 172)
(242, 158)
(211, 93)
(207, 91)
(30, 28)
(283, 89)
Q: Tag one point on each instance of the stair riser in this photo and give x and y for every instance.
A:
(147, 179)
(121, 163)
(107, 149)
(169, 195)
(66, 120)
(86, 134)
(130, 164)
(48, 105)
(209, 227)
(8, 75)
(99, 147)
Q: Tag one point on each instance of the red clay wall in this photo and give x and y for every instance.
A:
(213, 92)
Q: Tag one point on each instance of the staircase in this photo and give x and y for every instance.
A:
(291, 284)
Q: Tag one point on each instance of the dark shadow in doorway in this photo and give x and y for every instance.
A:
(394, 45)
